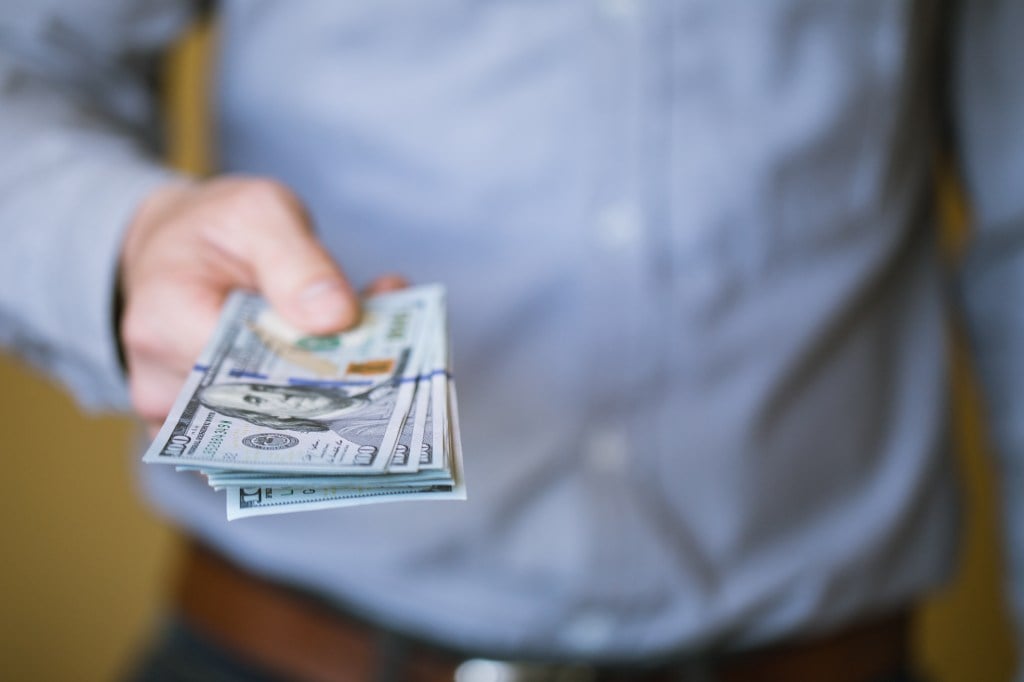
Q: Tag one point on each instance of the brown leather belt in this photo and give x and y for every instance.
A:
(295, 636)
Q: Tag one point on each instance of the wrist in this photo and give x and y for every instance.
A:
(154, 205)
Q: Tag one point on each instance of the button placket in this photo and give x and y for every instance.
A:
(621, 10)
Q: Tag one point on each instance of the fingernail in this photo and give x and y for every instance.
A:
(326, 302)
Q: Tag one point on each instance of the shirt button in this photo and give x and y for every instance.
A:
(619, 226)
(607, 450)
(620, 9)
(590, 631)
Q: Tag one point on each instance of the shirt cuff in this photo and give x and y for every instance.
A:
(67, 302)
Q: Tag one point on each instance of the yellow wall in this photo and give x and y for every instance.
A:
(963, 633)
(85, 564)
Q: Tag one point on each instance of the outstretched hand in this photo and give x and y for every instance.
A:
(188, 246)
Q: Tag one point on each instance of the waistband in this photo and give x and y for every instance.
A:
(293, 635)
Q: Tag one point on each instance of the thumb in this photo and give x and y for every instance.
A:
(291, 268)
(304, 285)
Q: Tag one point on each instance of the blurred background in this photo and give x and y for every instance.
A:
(86, 564)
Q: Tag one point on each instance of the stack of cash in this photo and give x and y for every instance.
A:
(289, 422)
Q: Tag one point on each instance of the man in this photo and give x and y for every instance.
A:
(697, 312)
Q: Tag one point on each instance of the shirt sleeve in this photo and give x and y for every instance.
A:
(77, 133)
(988, 111)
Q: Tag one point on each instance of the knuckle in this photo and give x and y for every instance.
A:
(263, 195)
(248, 208)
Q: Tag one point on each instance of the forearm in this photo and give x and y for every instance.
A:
(75, 166)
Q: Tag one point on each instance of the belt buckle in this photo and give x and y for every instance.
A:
(487, 670)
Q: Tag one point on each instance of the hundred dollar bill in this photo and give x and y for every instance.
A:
(406, 455)
(277, 499)
(263, 399)
(404, 467)
(221, 480)
(432, 450)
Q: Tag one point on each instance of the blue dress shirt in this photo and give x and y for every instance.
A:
(698, 318)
